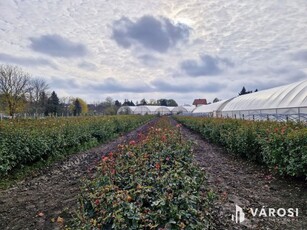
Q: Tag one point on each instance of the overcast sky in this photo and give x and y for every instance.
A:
(180, 49)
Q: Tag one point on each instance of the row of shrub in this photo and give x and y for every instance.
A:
(23, 142)
(281, 146)
(148, 183)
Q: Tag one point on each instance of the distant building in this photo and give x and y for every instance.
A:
(198, 102)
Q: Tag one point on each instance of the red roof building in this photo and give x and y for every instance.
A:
(198, 102)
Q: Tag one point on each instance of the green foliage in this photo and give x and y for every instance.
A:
(167, 102)
(150, 183)
(53, 105)
(77, 107)
(26, 141)
(280, 146)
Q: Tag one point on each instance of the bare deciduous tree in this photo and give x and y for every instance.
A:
(14, 84)
(38, 86)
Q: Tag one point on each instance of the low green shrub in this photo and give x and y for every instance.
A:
(281, 146)
(26, 141)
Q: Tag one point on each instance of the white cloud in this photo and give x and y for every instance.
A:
(266, 41)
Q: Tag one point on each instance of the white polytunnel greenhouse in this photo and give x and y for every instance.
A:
(182, 110)
(211, 110)
(143, 110)
(126, 110)
(287, 102)
(163, 110)
(152, 110)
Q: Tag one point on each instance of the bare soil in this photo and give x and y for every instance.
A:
(47, 200)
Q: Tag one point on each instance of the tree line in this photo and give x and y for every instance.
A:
(21, 93)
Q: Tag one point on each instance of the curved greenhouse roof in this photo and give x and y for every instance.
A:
(126, 110)
(182, 109)
(163, 110)
(147, 109)
(217, 106)
(288, 96)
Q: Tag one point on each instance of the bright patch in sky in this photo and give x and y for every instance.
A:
(156, 49)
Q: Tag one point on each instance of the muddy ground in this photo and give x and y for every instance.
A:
(35, 202)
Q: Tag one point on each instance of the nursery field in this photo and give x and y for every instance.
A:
(160, 175)
(148, 183)
(24, 142)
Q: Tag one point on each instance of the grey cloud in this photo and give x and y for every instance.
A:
(26, 61)
(149, 60)
(63, 82)
(57, 46)
(158, 34)
(111, 85)
(207, 65)
(261, 85)
(284, 74)
(87, 66)
(164, 86)
(290, 74)
(300, 56)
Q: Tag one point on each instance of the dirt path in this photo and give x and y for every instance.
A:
(55, 189)
(237, 181)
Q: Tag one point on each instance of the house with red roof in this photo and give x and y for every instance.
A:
(198, 102)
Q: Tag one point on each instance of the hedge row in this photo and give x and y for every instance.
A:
(26, 141)
(279, 145)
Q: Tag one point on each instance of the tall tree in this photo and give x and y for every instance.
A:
(43, 101)
(243, 91)
(38, 86)
(84, 107)
(215, 100)
(14, 85)
(53, 105)
(171, 102)
(143, 102)
(117, 104)
(162, 102)
(152, 102)
(109, 101)
(77, 107)
(128, 103)
(72, 106)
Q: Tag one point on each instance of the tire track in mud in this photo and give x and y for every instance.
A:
(55, 189)
(238, 181)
